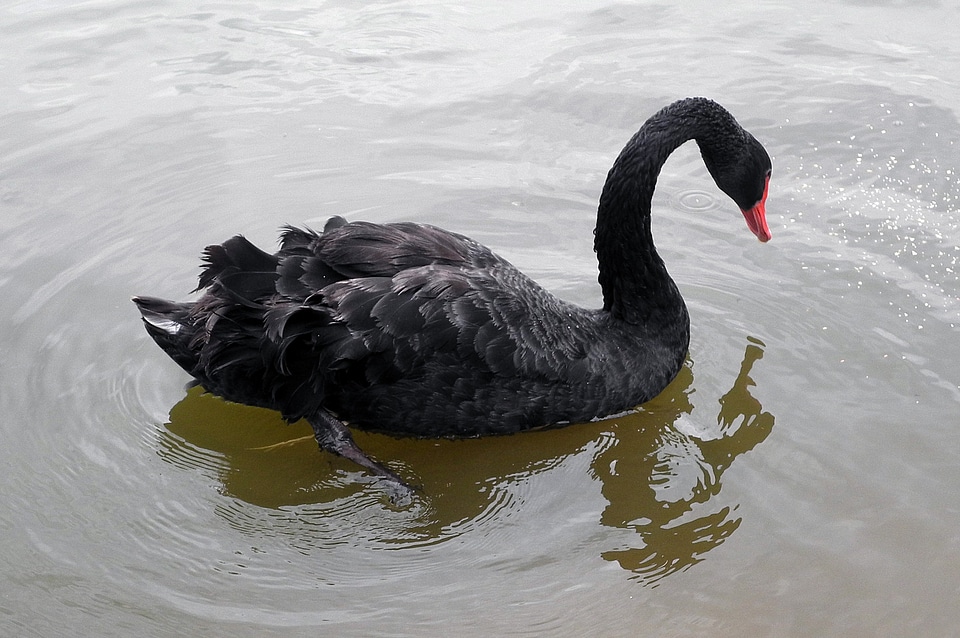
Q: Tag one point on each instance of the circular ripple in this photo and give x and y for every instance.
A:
(697, 201)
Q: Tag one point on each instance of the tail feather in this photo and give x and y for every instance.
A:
(166, 322)
(162, 314)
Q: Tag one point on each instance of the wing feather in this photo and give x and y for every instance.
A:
(367, 304)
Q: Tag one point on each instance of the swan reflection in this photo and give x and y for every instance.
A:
(661, 487)
(656, 472)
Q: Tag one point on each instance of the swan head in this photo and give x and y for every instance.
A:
(744, 175)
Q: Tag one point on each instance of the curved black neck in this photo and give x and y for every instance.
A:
(636, 286)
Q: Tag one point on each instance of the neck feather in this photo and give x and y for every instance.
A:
(635, 283)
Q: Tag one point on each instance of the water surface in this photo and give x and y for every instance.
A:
(798, 478)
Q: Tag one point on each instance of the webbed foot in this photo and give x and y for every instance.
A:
(332, 435)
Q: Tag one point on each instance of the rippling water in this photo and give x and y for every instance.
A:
(798, 478)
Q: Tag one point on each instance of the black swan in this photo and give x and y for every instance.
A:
(409, 329)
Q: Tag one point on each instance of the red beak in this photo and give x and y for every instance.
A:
(757, 217)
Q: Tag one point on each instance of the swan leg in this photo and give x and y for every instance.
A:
(332, 435)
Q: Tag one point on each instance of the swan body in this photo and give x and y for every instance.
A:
(413, 330)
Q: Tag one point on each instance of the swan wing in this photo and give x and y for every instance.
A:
(390, 300)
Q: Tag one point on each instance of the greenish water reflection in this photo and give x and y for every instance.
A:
(660, 485)
(657, 480)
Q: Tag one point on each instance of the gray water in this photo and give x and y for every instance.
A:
(800, 477)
